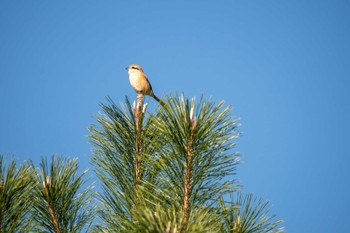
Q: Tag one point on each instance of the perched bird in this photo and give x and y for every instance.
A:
(140, 83)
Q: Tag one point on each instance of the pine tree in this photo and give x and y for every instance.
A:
(171, 170)
(167, 171)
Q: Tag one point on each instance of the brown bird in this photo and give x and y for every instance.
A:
(140, 83)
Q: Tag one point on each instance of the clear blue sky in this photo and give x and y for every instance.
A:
(284, 65)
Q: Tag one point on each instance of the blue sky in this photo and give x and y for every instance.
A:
(283, 65)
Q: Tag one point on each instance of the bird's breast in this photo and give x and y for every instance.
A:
(136, 81)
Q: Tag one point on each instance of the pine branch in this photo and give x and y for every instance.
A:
(197, 156)
(138, 140)
(15, 199)
(246, 213)
(125, 145)
(188, 171)
(60, 203)
(46, 187)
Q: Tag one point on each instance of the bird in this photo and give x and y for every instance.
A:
(140, 83)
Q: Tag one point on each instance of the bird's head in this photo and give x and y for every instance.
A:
(133, 68)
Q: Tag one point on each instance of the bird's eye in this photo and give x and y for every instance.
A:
(134, 67)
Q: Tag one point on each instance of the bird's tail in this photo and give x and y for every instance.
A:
(159, 100)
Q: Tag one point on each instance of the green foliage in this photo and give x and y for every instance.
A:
(185, 150)
(116, 140)
(248, 214)
(15, 187)
(169, 219)
(162, 172)
(58, 205)
(199, 138)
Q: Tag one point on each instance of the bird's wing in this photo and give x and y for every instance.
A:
(150, 86)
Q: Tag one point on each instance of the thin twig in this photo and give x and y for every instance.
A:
(46, 184)
(138, 141)
(188, 177)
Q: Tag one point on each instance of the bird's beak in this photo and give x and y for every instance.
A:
(127, 68)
